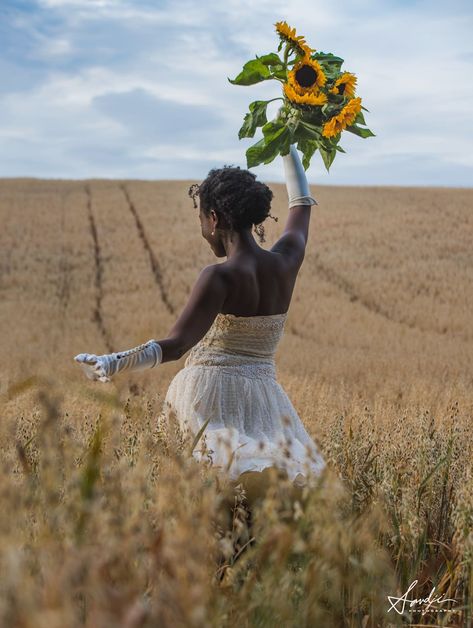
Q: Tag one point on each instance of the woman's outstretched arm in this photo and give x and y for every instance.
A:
(293, 240)
(205, 302)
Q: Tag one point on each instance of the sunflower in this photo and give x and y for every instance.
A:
(309, 98)
(306, 76)
(297, 42)
(345, 118)
(345, 85)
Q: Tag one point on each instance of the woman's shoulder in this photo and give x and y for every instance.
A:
(265, 260)
(211, 281)
(217, 272)
(266, 268)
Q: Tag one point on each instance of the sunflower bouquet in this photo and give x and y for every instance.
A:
(319, 102)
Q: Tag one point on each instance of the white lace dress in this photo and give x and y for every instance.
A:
(230, 377)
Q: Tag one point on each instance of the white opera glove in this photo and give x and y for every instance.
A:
(296, 181)
(102, 367)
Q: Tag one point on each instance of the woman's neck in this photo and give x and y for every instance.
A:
(239, 242)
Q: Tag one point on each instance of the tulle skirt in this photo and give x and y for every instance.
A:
(252, 422)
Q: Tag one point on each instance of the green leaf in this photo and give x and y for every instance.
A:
(327, 156)
(330, 62)
(360, 119)
(272, 128)
(340, 149)
(279, 72)
(258, 109)
(276, 65)
(314, 117)
(270, 59)
(275, 143)
(330, 142)
(254, 119)
(254, 71)
(359, 131)
(327, 57)
(284, 142)
(309, 130)
(248, 127)
(334, 99)
(286, 147)
(308, 148)
(365, 109)
(253, 154)
(332, 73)
(331, 109)
(268, 148)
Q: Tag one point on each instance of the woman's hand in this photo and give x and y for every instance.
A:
(102, 367)
(94, 366)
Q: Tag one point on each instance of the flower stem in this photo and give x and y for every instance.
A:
(286, 55)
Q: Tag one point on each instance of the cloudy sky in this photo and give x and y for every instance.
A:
(139, 89)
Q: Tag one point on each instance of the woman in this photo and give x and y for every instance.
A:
(233, 321)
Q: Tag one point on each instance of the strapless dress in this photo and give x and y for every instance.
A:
(229, 377)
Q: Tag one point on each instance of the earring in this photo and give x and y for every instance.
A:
(213, 231)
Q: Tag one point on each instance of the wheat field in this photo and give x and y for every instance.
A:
(108, 521)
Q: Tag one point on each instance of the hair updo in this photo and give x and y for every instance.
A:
(235, 195)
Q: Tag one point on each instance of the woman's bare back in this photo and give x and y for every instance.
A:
(257, 285)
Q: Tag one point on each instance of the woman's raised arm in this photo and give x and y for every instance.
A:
(293, 240)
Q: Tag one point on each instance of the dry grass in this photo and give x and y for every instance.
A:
(106, 518)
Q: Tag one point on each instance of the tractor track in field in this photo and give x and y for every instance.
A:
(348, 289)
(64, 286)
(97, 315)
(63, 281)
(154, 263)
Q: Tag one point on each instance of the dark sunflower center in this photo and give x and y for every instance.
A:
(341, 88)
(306, 76)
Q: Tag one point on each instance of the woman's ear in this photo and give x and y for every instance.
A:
(214, 216)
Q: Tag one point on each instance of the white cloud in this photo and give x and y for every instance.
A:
(55, 48)
(188, 153)
(182, 14)
(53, 4)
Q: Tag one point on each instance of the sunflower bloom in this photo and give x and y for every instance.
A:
(297, 42)
(345, 85)
(345, 118)
(309, 98)
(306, 76)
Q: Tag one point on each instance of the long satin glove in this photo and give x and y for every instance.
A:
(102, 367)
(296, 181)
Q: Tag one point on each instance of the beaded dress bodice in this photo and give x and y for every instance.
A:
(244, 344)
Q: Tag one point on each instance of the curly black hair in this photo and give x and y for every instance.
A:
(235, 195)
